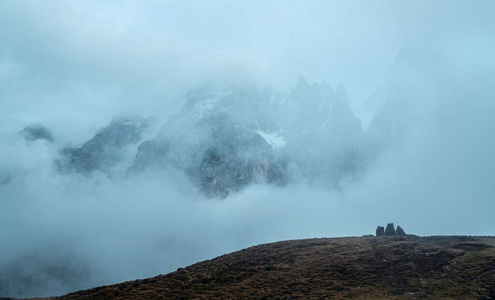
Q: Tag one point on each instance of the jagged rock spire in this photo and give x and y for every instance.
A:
(390, 230)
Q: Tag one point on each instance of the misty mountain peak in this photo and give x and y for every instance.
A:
(107, 147)
(229, 135)
(302, 84)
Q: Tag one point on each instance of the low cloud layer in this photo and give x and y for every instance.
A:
(73, 67)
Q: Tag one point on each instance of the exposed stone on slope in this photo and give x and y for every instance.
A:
(400, 231)
(390, 230)
(380, 231)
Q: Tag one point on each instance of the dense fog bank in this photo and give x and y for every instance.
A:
(125, 155)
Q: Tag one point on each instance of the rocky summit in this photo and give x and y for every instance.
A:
(227, 136)
(105, 149)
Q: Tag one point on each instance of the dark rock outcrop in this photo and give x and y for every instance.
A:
(223, 172)
(36, 132)
(390, 230)
(380, 231)
(104, 150)
(400, 231)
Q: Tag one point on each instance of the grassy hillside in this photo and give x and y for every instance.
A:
(367, 267)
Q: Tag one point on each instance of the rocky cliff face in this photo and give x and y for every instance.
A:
(228, 136)
(105, 149)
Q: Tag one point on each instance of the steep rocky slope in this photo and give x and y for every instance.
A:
(227, 136)
(367, 267)
(106, 148)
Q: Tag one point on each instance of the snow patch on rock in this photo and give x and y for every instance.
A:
(273, 139)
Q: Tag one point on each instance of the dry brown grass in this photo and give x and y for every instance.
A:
(368, 267)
